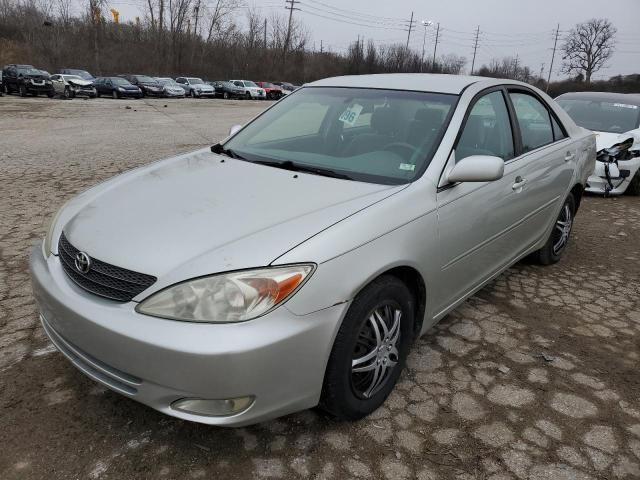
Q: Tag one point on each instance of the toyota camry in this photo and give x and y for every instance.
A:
(294, 263)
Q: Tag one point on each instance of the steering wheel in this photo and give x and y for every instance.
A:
(401, 148)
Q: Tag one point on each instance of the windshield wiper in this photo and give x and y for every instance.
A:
(219, 149)
(297, 167)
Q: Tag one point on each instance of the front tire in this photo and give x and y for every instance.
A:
(634, 185)
(225, 95)
(559, 238)
(370, 350)
(248, 96)
(22, 90)
(67, 93)
(115, 95)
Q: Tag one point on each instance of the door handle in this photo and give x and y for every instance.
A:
(520, 182)
(569, 156)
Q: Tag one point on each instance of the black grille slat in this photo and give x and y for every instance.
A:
(103, 279)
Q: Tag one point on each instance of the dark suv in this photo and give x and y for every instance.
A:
(25, 79)
(149, 86)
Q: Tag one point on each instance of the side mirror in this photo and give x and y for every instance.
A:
(477, 168)
(233, 130)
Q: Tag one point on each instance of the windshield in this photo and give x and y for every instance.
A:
(82, 74)
(195, 81)
(378, 136)
(168, 82)
(71, 77)
(119, 81)
(145, 79)
(29, 71)
(602, 116)
(249, 83)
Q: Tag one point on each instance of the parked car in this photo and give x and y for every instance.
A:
(76, 71)
(147, 85)
(117, 87)
(272, 91)
(70, 86)
(615, 118)
(225, 89)
(318, 301)
(170, 87)
(250, 89)
(26, 79)
(196, 87)
(287, 87)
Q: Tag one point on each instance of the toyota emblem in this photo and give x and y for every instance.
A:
(82, 262)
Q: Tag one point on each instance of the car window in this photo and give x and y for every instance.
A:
(487, 130)
(534, 121)
(238, 84)
(397, 138)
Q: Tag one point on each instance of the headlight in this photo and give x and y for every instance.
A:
(46, 246)
(227, 297)
(120, 89)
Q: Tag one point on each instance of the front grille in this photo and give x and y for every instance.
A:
(103, 279)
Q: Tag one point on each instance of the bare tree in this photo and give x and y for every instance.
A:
(588, 46)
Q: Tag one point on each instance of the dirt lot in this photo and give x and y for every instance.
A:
(535, 377)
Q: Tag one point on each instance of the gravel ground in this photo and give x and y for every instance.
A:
(535, 377)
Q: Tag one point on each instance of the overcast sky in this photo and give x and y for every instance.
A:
(507, 27)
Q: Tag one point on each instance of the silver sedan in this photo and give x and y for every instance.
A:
(294, 263)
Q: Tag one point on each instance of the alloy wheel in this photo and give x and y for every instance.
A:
(376, 351)
(562, 229)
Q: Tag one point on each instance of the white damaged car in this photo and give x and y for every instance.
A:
(615, 119)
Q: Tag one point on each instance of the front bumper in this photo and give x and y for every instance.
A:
(279, 358)
(39, 88)
(598, 184)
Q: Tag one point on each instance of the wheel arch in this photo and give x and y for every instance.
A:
(577, 191)
(414, 281)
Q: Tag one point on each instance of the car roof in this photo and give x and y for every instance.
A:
(425, 82)
(629, 98)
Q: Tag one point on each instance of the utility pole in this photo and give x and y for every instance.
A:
(475, 49)
(424, 41)
(541, 69)
(410, 25)
(321, 50)
(435, 46)
(515, 67)
(553, 55)
(291, 7)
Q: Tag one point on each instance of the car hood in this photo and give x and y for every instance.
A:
(79, 83)
(202, 213)
(607, 139)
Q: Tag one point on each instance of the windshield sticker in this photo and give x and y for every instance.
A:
(351, 114)
(624, 105)
(407, 166)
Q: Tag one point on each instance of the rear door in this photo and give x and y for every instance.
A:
(547, 161)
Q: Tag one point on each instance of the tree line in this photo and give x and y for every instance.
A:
(225, 39)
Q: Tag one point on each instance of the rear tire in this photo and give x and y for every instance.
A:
(225, 95)
(22, 90)
(559, 237)
(248, 96)
(370, 350)
(634, 186)
(67, 93)
(193, 94)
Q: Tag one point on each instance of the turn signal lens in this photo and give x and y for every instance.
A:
(229, 297)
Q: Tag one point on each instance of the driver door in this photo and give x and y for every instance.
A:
(476, 220)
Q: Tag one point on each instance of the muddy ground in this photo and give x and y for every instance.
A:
(535, 377)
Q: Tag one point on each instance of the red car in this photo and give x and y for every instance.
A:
(274, 92)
